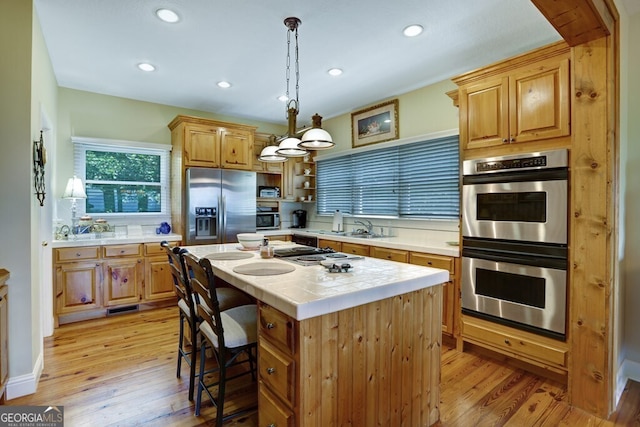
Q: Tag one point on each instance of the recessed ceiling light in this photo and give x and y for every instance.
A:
(224, 85)
(283, 98)
(412, 30)
(167, 15)
(145, 66)
(334, 71)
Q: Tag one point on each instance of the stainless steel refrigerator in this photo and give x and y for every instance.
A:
(220, 204)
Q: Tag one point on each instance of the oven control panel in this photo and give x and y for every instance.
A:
(518, 162)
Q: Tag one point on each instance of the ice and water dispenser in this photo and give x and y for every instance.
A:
(206, 222)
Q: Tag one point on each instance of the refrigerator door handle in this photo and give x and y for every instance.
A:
(222, 215)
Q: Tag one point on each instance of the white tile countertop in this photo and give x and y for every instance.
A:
(92, 240)
(310, 291)
(419, 242)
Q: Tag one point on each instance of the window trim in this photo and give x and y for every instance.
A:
(81, 144)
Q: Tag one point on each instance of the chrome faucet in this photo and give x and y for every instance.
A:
(368, 225)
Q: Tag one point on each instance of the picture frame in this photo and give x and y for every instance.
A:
(378, 123)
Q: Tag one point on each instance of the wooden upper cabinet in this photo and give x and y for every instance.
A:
(201, 146)
(520, 100)
(236, 149)
(199, 142)
(260, 141)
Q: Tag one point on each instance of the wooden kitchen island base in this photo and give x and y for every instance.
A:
(373, 364)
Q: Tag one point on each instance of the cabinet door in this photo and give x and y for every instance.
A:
(539, 102)
(355, 249)
(201, 146)
(333, 244)
(158, 282)
(122, 281)
(389, 254)
(449, 305)
(260, 141)
(237, 149)
(483, 114)
(77, 286)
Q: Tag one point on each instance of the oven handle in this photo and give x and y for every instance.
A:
(555, 174)
(514, 258)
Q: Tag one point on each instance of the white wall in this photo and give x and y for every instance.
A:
(631, 263)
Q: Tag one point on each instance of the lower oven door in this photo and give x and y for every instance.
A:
(524, 296)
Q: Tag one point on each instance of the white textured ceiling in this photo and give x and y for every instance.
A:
(95, 45)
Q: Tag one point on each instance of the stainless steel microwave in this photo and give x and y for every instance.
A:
(267, 221)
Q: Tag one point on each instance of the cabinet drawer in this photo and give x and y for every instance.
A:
(541, 349)
(276, 370)
(272, 412)
(333, 244)
(151, 249)
(122, 250)
(355, 249)
(390, 254)
(277, 327)
(75, 254)
(435, 261)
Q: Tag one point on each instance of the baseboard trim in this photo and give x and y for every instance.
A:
(629, 370)
(23, 385)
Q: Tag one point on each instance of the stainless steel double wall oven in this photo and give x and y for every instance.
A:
(514, 246)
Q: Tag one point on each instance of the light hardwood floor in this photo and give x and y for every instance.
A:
(121, 371)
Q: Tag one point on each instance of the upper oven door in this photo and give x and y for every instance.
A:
(514, 209)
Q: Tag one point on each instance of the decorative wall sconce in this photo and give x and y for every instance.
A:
(39, 160)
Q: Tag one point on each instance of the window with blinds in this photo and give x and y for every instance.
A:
(119, 179)
(416, 180)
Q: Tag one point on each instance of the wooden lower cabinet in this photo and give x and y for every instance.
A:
(450, 290)
(390, 254)
(158, 283)
(89, 280)
(355, 249)
(333, 244)
(534, 349)
(339, 368)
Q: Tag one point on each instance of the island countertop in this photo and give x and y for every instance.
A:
(310, 291)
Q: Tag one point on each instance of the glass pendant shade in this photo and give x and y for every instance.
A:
(316, 138)
(269, 155)
(74, 189)
(289, 146)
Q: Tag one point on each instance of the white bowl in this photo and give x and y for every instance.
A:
(250, 240)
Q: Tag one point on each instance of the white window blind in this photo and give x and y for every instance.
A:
(419, 179)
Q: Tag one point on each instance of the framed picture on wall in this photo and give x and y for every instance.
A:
(375, 124)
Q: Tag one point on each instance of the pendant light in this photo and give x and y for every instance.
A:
(269, 155)
(316, 138)
(292, 146)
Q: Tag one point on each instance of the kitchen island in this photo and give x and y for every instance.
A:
(354, 348)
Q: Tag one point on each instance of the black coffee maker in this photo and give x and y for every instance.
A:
(299, 218)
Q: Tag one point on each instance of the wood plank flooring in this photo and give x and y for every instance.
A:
(121, 371)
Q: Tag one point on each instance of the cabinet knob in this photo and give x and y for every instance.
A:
(507, 342)
(270, 325)
(271, 370)
(505, 140)
(512, 139)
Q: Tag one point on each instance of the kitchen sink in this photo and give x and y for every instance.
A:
(364, 235)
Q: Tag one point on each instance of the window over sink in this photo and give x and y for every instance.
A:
(419, 179)
(123, 177)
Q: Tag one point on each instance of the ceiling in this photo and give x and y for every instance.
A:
(95, 46)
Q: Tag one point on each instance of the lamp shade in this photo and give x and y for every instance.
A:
(75, 189)
(316, 138)
(289, 147)
(268, 154)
